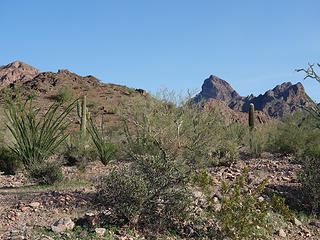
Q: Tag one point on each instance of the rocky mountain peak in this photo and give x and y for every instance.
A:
(282, 100)
(217, 88)
(15, 72)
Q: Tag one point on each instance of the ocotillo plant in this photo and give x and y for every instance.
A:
(251, 116)
(82, 113)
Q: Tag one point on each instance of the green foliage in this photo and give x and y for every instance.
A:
(241, 211)
(197, 136)
(78, 151)
(65, 94)
(295, 134)
(106, 150)
(152, 192)
(36, 138)
(9, 161)
(310, 176)
(261, 138)
(45, 173)
(278, 204)
(241, 214)
(125, 192)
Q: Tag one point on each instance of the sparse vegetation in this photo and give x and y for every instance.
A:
(166, 151)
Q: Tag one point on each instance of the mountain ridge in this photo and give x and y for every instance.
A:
(282, 100)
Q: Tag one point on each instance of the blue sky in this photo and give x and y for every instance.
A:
(150, 44)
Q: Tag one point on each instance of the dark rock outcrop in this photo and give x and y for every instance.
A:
(279, 102)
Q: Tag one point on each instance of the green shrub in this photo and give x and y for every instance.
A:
(65, 94)
(9, 161)
(192, 133)
(295, 134)
(260, 139)
(151, 192)
(310, 176)
(240, 215)
(45, 173)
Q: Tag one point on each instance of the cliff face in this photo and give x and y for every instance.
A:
(16, 72)
(279, 102)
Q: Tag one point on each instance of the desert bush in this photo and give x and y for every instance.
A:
(186, 132)
(45, 173)
(36, 138)
(9, 161)
(240, 215)
(294, 134)
(261, 138)
(151, 192)
(310, 176)
(64, 94)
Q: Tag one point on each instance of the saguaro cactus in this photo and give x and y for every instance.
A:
(251, 116)
(83, 114)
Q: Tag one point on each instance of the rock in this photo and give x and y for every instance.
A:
(34, 204)
(62, 225)
(296, 222)
(306, 232)
(316, 224)
(217, 207)
(100, 231)
(47, 238)
(281, 233)
(19, 237)
(276, 103)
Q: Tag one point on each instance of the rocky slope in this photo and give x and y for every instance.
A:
(279, 102)
(16, 72)
(102, 98)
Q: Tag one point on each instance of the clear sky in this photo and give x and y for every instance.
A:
(150, 44)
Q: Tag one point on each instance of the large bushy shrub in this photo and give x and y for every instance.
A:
(151, 192)
(188, 132)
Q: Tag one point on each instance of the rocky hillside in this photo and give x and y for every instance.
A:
(281, 101)
(102, 98)
(16, 72)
